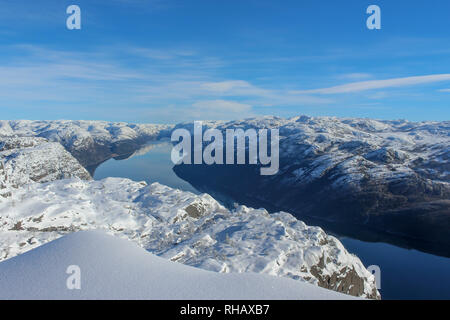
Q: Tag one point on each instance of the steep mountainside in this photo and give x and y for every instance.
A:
(28, 159)
(393, 176)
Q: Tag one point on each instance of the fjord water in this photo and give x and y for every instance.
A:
(405, 273)
(153, 166)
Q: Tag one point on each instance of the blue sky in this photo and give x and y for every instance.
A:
(170, 61)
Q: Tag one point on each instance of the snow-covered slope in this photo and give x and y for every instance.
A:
(90, 142)
(393, 176)
(112, 268)
(191, 229)
(28, 159)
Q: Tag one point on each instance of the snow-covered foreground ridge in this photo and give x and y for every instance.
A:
(112, 268)
(191, 229)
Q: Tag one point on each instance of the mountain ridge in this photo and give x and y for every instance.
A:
(388, 175)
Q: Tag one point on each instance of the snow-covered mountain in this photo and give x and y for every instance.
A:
(90, 142)
(393, 176)
(389, 175)
(191, 229)
(112, 268)
(29, 159)
(39, 204)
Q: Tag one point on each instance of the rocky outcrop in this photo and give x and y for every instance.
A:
(345, 280)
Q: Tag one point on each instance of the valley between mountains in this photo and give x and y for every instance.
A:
(388, 175)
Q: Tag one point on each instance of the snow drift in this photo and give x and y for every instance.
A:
(112, 268)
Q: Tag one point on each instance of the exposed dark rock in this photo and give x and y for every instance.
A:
(195, 210)
(346, 280)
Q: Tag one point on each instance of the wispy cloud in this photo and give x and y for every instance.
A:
(219, 109)
(184, 81)
(377, 84)
(233, 87)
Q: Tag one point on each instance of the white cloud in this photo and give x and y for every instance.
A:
(377, 84)
(444, 90)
